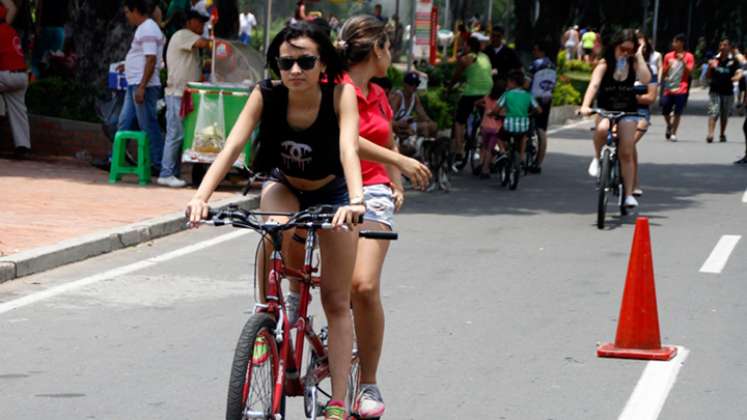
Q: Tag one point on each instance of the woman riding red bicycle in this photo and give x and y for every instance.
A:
(312, 158)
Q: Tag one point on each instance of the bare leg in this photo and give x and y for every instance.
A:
(458, 146)
(338, 258)
(639, 133)
(675, 124)
(600, 136)
(724, 121)
(711, 127)
(626, 153)
(366, 297)
(542, 140)
(523, 148)
(275, 197)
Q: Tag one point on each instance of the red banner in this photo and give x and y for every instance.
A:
(434, 33)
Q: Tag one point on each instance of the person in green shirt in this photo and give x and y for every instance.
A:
(516, 103)
(478, 74)
(588, 40)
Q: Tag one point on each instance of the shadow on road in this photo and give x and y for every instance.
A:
(564, 187)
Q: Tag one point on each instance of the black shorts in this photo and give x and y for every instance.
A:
(334, 193)
(464, 108)
(507, 135)
(588, 51)
(674, 102)
(742, 85)
(542, 119)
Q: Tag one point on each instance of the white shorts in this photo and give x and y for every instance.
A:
(379, 204)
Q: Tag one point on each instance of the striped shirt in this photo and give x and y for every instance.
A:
(148, 40)
(517, 102)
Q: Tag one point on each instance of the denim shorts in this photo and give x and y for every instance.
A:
(379, 204)
(334, 193)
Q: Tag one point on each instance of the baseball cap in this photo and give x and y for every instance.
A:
(412, 79)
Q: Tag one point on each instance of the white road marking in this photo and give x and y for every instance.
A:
(720, 254)
(649, 395)
(119, 271)
(744, 197)
(568, 126)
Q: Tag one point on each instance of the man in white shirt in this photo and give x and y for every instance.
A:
(247, 22)
(142, 65)
(183, 64)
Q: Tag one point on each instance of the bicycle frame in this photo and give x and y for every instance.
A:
(290, 359)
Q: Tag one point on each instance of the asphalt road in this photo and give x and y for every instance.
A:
(495, 301)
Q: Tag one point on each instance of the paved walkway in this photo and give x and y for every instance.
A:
(49, 201)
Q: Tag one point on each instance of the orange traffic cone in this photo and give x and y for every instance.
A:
(638, 326)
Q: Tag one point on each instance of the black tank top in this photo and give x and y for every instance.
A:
(313, 153)
(617, 95)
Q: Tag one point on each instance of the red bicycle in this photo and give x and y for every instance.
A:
(260, 381)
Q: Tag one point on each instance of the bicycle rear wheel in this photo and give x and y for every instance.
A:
(251, 388)
(604, 188)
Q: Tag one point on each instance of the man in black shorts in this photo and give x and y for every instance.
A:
(544, 76)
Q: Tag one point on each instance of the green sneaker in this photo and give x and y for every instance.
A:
(335, 410)
(261, 351)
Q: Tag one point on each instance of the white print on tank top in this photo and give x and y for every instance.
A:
(295, 155)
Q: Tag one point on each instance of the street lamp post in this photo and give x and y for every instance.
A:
(656, 21)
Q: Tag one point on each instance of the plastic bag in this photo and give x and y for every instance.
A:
(210, 128)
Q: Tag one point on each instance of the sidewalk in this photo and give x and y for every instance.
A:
(60, 211)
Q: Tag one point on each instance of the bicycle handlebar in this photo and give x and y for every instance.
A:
(615, 115)
(319, 217)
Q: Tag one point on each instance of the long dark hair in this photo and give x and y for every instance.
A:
(625, 35)
(297, 13)
(327, 53)
(647, 48)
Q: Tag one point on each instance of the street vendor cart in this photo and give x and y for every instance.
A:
(214, 111)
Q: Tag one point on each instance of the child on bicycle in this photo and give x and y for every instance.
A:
(517, 103)
(489, 129)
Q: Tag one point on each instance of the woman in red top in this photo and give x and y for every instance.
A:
(364, 45)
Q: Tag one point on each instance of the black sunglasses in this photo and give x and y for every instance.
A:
(305, 62)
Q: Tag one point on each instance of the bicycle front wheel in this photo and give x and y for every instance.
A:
(251, 388)
(604, 188)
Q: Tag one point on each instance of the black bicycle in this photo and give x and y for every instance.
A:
(510, 166)
(471, 154)
(610, 178)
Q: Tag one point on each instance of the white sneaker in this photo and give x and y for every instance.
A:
(594, 168)
(630, 202)
(171, 181)
(673, 138)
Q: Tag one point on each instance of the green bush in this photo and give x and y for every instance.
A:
(577, 66)
(396, 76)
(565, 94)
(62, 98)
(562, 58)
(438, 75)
(440, 106)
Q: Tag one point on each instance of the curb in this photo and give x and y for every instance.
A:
(45, 258)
